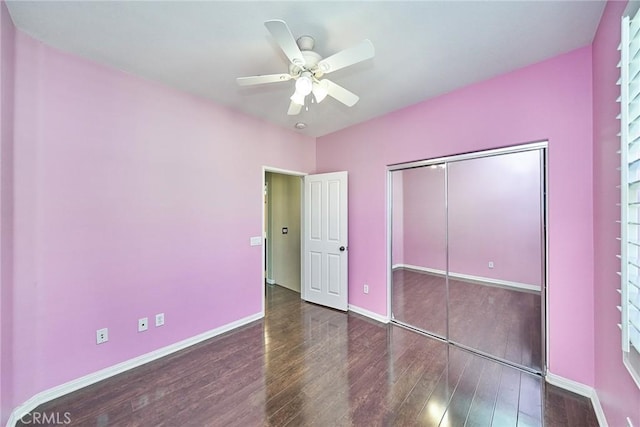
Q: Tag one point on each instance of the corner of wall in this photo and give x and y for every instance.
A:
(580, 389)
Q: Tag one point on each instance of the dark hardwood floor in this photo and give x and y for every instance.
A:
(305, 365)
(411, 291)
(505, 323)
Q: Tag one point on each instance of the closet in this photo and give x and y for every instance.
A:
(467, 251)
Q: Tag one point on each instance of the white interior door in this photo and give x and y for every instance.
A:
(325, 240)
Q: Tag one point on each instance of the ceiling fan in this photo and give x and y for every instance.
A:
(308, 68)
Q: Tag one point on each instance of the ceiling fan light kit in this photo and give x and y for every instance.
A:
(304, 85)
(308, 68)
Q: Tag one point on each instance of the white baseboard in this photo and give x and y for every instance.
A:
(419, 268)
(569, 385)
(470, 278)
(71, 386)
(370, 314)
(271, 281)
(581, 389)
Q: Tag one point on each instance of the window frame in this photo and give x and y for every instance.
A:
(630, 192)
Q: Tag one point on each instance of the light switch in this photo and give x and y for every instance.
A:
(256, 241)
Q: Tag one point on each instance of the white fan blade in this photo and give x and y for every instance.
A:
(358, 53)
(341, 94)
(320, 91)
(258, 80)
(281, 32)
(294, 109)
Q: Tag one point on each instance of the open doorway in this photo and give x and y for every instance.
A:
(305, 227)
(282, 228)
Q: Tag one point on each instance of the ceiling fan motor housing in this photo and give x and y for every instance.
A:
(305, 43)
(311, 60)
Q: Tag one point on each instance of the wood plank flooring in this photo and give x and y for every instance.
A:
(305, 365)
(411, 292)
(502, 322)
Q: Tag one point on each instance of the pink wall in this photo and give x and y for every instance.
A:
(549, 100)
(7, 63)
(493, 215)
(131, 199)
(618, 393)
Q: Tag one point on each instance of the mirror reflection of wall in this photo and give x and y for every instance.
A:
(468, 252)
(419, 246)
(423, 215)
(495, 218)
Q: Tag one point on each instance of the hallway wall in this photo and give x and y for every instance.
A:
(284, 211)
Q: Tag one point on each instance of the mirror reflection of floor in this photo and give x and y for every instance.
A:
(503, 322)
(305, 365)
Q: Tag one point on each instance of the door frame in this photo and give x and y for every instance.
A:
(272, 169)
(543, 146)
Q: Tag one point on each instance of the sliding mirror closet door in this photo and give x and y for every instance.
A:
(418, 285)
(495, 254)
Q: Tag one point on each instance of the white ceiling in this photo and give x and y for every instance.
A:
(423, 48)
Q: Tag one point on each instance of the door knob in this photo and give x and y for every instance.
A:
(342, 248)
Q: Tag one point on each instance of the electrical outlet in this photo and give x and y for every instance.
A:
(102, 335)
(159, 319)
(490, 264)
(143, 324)
(366, 288)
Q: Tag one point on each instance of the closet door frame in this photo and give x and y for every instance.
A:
(544, 298)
